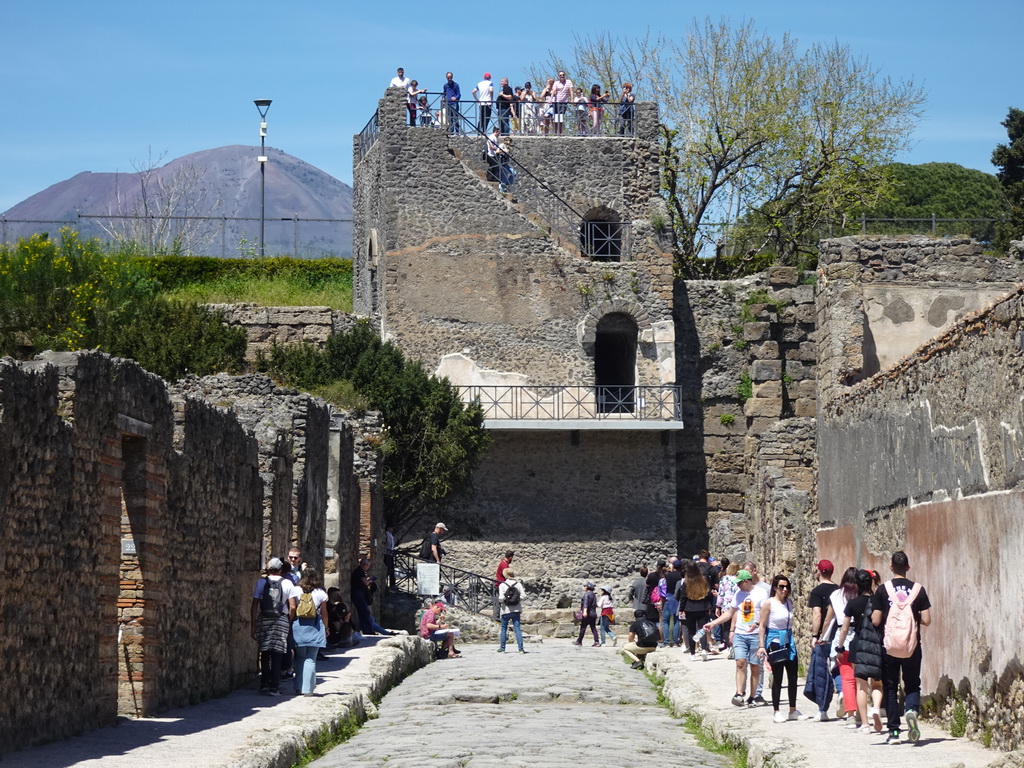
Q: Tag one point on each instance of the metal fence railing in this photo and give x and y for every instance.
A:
(548, 403)
(367, 137)
(469, 591)
(222, 236)
(526, 118)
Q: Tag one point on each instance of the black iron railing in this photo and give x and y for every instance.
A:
(548, 403)
(525, 118)
(469, 591)
(368, 136)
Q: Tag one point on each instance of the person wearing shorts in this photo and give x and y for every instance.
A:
(744, 618)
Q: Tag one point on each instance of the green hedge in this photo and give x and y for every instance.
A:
(176, 271)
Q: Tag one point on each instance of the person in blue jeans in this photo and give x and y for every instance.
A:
(510, 600)
(670, 622)
(310, 632)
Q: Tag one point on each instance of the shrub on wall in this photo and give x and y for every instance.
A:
(72, 294)
(432, 442)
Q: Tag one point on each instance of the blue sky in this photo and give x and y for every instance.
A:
(98, 86)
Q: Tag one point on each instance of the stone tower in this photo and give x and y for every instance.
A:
(552, 305)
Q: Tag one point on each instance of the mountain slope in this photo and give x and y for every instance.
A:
(222, 182)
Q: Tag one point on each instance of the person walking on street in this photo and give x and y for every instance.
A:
(510, 601)
(862, 640)
(588, 614)
(307, 608)
(776, 636)
(902, 608)
(746, 608)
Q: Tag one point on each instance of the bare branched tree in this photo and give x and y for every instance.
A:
(163, 209)
(762, 143)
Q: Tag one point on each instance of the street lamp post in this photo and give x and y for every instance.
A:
(263, 105)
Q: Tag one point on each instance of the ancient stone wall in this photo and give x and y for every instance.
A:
(267, 326)
(746, 360)
(926, 456)
(447, 266)
(96, 461)
(292, 429)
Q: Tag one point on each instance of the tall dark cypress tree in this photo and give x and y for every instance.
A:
(1009, 158)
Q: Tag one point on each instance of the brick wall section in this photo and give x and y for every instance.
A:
(79, 432)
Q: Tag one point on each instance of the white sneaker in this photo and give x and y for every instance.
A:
(875, 717)
(780, 717)
(795, 715)
(704, 655)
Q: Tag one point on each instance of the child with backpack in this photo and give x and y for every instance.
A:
(902, 608)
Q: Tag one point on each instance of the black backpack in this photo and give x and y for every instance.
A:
(647, 636)
(512, 596)
(272, 599)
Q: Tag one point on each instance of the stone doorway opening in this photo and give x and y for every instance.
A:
(615, 363)
(136, 620)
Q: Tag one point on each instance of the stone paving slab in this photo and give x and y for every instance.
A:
(557, 705)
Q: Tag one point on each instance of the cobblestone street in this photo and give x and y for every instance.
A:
(557, 705)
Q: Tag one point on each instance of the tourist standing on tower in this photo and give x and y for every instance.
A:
(451, 94)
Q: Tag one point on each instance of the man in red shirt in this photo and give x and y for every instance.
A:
(506, 561)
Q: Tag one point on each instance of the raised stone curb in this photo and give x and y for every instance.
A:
(686, 697)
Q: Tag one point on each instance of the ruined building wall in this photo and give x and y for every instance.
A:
(267, 326)
(927, 456)
(92, 462)
(472, 282)
(292, 430)
(746, 361)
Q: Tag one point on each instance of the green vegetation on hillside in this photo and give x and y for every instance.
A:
(432, 441)
(72, 294)
(945, 191)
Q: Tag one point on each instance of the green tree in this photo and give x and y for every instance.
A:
(1009, 158)
(974, 199)
(756, 130)
(432, 441)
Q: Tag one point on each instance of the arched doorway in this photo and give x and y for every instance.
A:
(615, 363)
(601, 235)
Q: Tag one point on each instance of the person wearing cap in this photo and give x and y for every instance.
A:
(588, 614)
(819, 597)
(744, 617)
(433, 627)
(642, 639)
(434, 540)
(271, 629)
(484, 94)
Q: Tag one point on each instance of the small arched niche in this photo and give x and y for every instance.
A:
(601, 234)
(615, 345)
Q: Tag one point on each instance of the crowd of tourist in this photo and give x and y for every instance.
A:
(865, 642)
(558, 108)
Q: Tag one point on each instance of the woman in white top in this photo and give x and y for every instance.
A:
(606, 612)
(777, 628)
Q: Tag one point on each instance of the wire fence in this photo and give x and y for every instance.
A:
(224, 236)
